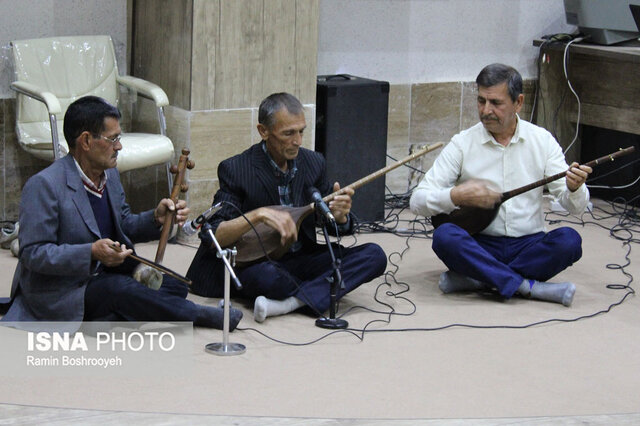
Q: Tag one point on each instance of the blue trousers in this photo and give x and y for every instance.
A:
(504, 262)
(304, 274)
(118, 297)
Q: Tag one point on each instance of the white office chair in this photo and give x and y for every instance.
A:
(51, 73)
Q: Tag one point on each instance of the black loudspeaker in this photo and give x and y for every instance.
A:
(351, 132)
(597, 142)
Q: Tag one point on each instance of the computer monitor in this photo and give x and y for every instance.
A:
(605, 21)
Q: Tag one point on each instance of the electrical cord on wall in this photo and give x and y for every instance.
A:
(568, 40)
(565, 64)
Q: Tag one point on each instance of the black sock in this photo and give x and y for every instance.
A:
(213, 317)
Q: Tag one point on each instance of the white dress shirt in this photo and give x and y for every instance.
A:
(531, 155)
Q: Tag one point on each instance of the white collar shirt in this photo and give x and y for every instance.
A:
(531, 155)
(89, 185)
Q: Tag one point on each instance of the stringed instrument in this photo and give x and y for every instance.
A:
(150, 273)
(476, 219)
(178, 187)
(154, 265)
(249, 245)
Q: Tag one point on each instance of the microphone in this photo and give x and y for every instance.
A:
(190, 227)
(320, 206)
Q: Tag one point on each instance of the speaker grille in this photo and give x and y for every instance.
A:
(351, 132)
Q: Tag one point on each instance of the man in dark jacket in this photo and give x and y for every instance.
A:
(278, 172)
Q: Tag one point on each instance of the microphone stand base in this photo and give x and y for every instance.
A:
(224, 350)
(331, 323)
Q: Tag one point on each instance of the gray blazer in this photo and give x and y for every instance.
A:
(57, 228)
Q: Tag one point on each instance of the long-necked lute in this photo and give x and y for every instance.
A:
(249, 247)
(476, 219)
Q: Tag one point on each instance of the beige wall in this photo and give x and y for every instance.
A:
(427, 41)
(220, 54)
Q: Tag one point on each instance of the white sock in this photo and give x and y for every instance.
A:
(221, 304)
(263, 307)
(550, 292)
(452, 282)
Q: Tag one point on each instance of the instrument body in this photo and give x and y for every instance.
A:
(476, 219)
(248, 245)
(154, 265)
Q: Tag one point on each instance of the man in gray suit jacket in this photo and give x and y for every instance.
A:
(72, 215)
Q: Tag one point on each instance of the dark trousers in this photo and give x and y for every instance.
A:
(304, 274)
(118, 297)
(504, 262)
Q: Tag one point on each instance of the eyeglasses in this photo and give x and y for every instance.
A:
(113, 141)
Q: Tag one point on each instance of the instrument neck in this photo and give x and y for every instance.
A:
(593, 163)
(375, 175)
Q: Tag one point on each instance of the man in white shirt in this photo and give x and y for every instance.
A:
(514, 254)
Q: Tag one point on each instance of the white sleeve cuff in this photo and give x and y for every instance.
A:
(431, 202)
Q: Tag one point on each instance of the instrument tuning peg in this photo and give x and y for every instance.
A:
(173, 169)
(184, 187)
(190, 164)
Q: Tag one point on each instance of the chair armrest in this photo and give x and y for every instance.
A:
(35, 92)
(145, 88)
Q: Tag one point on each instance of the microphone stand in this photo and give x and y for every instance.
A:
(336, 282)
(228, 256)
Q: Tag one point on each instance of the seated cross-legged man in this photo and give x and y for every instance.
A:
(278, 172)
(77, 232)
(513, 254)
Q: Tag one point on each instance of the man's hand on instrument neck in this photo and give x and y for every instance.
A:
(474, 193)
(577, 175)
(340, 206)
(166, 206)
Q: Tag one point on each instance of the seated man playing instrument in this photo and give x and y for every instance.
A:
(77, 233)
(513, 253)
(278, 172)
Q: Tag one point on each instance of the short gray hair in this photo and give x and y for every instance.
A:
(274, 103)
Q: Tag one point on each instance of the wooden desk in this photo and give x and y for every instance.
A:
(607, 80)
